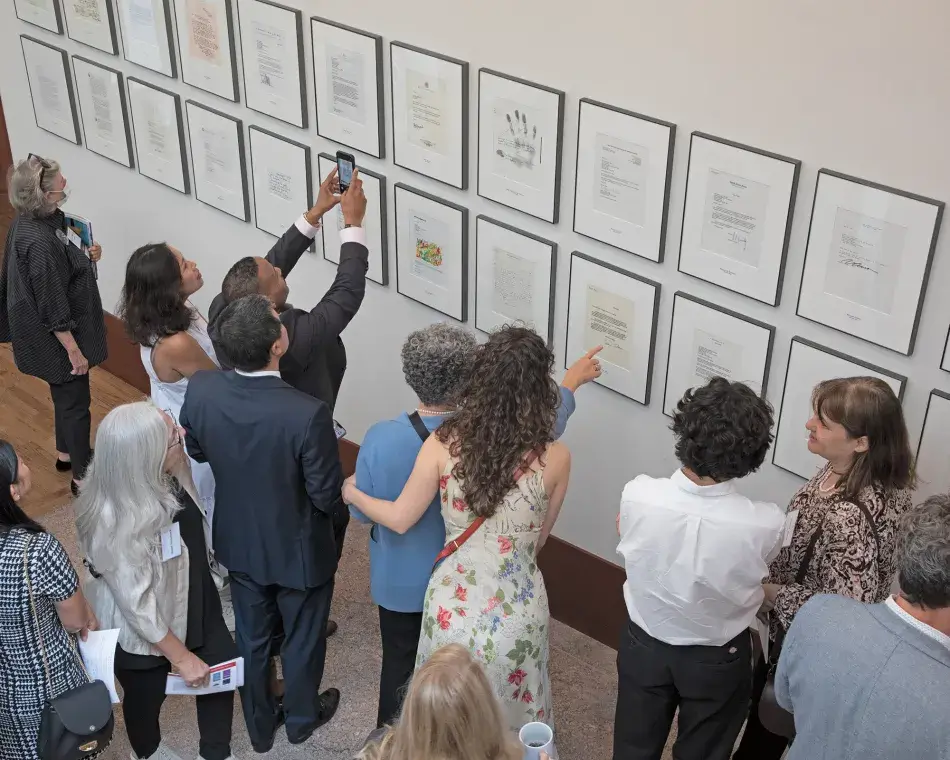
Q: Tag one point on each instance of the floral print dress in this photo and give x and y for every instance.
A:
(489, 596)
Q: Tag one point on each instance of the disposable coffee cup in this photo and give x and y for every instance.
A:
(536, 738)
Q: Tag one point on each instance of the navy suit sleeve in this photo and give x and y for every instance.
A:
(184, 419)
(321, 462)
(286, 252)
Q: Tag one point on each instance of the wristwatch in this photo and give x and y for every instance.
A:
(347, 226)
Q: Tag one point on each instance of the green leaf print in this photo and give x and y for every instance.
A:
(500, 595)
(427, 626)
(446, 580)
(470, 578)
(507, 609)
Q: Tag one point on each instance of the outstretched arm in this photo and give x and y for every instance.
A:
(557, 474)
(286, 252)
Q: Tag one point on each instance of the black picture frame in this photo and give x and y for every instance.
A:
(383, 221)
(559, 143)
(180, 123)
(464, 215)
(70, 90)
(658, 290)
(536, 238)
(793, 194)
(668, 179)
(57, 11)
(923, 427)
(832, 352)
(113, 33)
(125, 111)
(925, 279)
(464, 75)
(309, 168)
(378, 69)
(239, 127)
(770, 329)
(946, 351)
(301, 65)
(172, 60)
(229, 14)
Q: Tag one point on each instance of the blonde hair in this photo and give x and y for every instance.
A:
(450, 713)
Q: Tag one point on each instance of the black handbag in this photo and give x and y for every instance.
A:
(78, 724)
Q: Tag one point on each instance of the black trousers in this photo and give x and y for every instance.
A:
(73, 422)
(758, 743)
(257, 611)
(400, 634)
(145, 693)
(710, 685)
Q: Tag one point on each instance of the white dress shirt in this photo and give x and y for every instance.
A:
(927, 630)
(259, 373)
(695, 558)
(347, 234)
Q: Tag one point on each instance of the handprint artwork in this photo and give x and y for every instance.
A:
(517, 142)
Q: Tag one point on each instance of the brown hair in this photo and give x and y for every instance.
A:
(508, 408)
(866, 406)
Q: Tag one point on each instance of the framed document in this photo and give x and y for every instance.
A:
(348, 86)
(147, 34)
(206, 46)
(217, 160)
(92, 23)
(51, 88)
(737, 217)
(105, 118)
(42, 13)
(282, 180)
(514, 278)
(933, 452)
(945, 360)
(272, 51)
(520, 137)
(708, 341)
(808, 365)
(868, 258)
(432, 251)
(159, 134)
(616, 309)
(374, 223)
(430, 113)
(622, 182)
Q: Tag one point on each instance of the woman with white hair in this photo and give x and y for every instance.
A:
(50, 308)
(137, 501)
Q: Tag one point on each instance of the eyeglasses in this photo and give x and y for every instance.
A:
(177, 433)
(44, 166)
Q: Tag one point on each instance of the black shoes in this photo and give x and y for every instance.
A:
(74, 487)
(62, 466)
(329, 702)
(332, 628)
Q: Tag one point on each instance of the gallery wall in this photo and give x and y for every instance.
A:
(855, 86)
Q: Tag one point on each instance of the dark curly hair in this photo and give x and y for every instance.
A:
(508, 408)
(152, 304)
(723, 430)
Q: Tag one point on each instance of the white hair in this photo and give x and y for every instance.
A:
(27, 193)
(126, 497)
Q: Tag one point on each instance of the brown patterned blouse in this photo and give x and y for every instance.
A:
(846, 559)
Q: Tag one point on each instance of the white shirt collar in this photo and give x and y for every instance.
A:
(685, 484)
(940, 638)
(261, 373)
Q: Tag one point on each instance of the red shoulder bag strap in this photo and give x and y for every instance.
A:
(454, 545)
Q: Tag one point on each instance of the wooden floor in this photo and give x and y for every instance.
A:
(26, 420)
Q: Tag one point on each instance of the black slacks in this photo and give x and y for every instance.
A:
(400, 634)
(145, 693)
(758, 743)
(73, 422)
(303, 614)
(710, 685)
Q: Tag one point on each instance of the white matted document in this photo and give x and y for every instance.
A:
(514, 278)
(41, 13)
(206, 46)
(217, 157)
(225, 676)
(91, 22)
(51, 89)
(159, 134)
(104, 116)
(147, 34)
(281, 176)
(348, 86)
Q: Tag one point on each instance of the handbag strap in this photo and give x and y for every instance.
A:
(419, 426)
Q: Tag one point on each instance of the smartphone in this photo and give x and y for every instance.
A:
(345, 164)
(339, 430)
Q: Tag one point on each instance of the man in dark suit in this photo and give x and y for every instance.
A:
(274, 455)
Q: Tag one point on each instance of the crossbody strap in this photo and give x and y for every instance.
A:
(419, 426)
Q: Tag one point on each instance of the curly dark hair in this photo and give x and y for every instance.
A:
(152, 304)
(723, 430)
(508, 408)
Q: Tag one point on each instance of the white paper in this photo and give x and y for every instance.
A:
(788, 530)
(216, 155)
(100, 99)
(271, 61)
(155, 122)
(204, 38)
(431, 236)
(345, 72)
(171, 542)
(620, 182)
(714, 356)
(39, 12)
(734, 217)
(279, 172)
(88, 21)
(144, 34)
(49, 87)
(426, 115)
(513, 280)
(225, 676)
(865, 259)
(609, 322)
(517, 146)
(98, 654)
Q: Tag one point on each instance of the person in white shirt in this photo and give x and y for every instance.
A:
(695, 552)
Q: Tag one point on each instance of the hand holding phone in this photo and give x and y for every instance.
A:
(345, 164)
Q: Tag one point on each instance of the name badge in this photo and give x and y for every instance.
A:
(73, 238)
(171, 542)
(61, 236)
(791, 518)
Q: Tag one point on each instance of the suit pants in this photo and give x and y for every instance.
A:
(73, 422)
(758, 743)
(710, 685)
(400, 634)
(258, 609)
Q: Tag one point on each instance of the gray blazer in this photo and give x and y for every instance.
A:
(863, 684)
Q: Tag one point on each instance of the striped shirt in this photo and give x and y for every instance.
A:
(48, 285)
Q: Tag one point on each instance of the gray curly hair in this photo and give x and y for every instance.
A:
(23, 185)
(923, 553)
(436, 361)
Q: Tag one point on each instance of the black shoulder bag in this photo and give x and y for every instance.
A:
(77, 724)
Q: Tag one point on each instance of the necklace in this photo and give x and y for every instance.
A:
(423, 410)
(821, 485)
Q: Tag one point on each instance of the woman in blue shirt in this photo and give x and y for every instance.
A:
(435, 361)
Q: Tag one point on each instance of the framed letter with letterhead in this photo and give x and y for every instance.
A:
(105, 117)
(217, 160)
(159, 134)
(51, 89)
(207, 48)
(281, 177)
(147, 34)
(92, 23)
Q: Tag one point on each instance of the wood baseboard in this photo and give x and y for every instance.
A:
(584, 590)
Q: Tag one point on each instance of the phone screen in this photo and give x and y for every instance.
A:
(345, 171)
